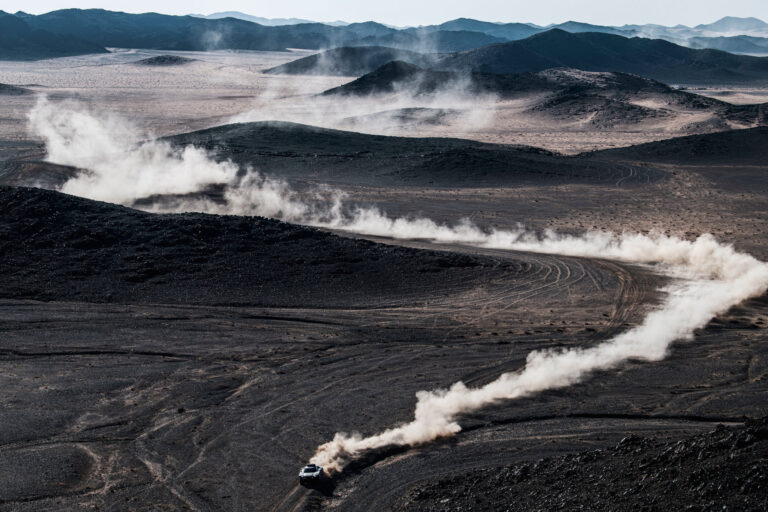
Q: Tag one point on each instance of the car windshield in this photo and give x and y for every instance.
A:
(310, 469)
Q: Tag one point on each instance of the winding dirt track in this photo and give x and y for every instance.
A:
(550, 280)
(233, 400)
(210, 408)
(505, 435)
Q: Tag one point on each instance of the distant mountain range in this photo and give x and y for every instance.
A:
(726, 26)
(163, 32)
(592, 51)
(20, 41)
(269, 22)
(589, 51)
(734, 44)
(77, 31)
(515, 31)
(729, 24)
(440, 41)
(159, 31)
(712, 33)
(706, 36)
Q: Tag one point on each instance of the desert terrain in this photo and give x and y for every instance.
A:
(226, 86)
(168, 353)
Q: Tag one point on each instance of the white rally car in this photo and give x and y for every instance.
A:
(311, 473)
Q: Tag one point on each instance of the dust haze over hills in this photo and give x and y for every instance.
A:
(607, 99)
(470, 265)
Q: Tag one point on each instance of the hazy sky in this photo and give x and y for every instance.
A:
(420, 12)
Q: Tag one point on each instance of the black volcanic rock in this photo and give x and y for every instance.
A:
(726, 469)
(20, 41)
(165, 60)
(349, 61)
(652, 58)
(59, 247)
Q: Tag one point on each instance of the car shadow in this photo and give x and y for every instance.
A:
(324, 486)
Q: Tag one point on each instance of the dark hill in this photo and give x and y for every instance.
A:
(349, 61)
(20, 41)
(509, 31)
(402, 75)
(34, 173)
(393, 75)
(735, 161)
(652, 58)
(604, 99)
(721, 470)
(370, 29)
(59, 247)
(733, 147)
(620, 98)
(165, 60)
(303, 152)
(12, 90)
(576, 27)
(441, 41)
